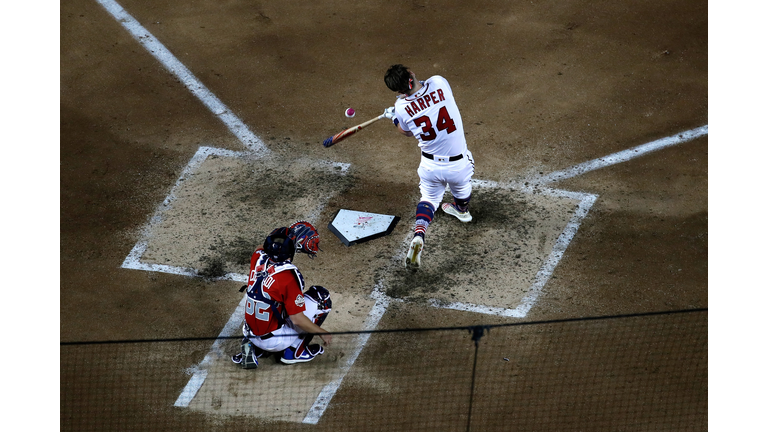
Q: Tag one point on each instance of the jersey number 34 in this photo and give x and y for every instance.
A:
(444, 123)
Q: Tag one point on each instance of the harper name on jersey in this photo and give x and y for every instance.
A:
(424, 102)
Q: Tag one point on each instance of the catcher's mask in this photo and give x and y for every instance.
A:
(279, 246)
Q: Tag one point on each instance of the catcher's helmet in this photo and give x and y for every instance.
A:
(279, 246)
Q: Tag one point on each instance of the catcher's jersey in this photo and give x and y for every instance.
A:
(274, 293)
(432, 116)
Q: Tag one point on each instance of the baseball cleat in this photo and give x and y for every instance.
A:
(413, 259)
(451, 209)
(310, 352)
(245, 361)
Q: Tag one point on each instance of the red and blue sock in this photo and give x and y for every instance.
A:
(462, 204)
(424, 214)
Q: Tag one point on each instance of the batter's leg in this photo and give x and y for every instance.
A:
(458, 208)
(425, 212)
(461, 186)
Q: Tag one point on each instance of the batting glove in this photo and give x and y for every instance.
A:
(390, 114)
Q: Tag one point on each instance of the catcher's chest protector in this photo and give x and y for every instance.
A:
(262, 312)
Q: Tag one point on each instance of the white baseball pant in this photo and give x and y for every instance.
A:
(435, 174)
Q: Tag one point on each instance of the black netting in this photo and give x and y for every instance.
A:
(644, 372)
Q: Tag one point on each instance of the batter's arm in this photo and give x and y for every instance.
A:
(390, 114)
(404, 132)
(301, 321)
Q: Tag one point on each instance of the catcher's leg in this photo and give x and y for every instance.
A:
(317, 308)
(249, 353)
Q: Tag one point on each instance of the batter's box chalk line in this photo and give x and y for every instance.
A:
(133, 260)
(544, 273)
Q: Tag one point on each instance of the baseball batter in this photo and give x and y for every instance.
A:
(426, 110)
(279, 316)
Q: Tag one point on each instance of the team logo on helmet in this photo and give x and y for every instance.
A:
(299, 300)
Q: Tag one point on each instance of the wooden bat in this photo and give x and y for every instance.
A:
(348, 132)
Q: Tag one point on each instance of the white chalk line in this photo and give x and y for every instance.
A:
(329, 391)
(247, 138)
(174, 66)
(236, 127)
(133, 260)
(622, 156)
(544, 273)
(200, 371)
(565, 237)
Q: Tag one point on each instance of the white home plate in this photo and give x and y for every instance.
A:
(353, 227)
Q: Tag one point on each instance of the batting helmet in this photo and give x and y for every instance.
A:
(279, 246)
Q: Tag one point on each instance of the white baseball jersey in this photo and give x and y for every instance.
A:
(432, 116)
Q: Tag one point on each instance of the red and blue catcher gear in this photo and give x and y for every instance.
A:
(306, 238)
(274, 292)
(306, 351)
(321, 296)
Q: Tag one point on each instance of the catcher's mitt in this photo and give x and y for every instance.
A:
(306, 238)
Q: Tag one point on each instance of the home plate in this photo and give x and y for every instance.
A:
(352, 227)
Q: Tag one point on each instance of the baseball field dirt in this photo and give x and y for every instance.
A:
(152, 177)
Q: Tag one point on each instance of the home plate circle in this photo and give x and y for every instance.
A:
(353, 227)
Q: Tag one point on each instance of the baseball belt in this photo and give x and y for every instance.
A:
(450, 159)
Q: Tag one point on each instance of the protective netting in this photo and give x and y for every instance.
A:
(640, 372)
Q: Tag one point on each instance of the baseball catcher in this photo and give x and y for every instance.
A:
(280, 317)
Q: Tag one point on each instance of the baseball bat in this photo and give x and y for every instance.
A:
(349, 132)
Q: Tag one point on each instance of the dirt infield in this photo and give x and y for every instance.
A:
(542, 86)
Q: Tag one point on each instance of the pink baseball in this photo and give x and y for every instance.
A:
(349, 112)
